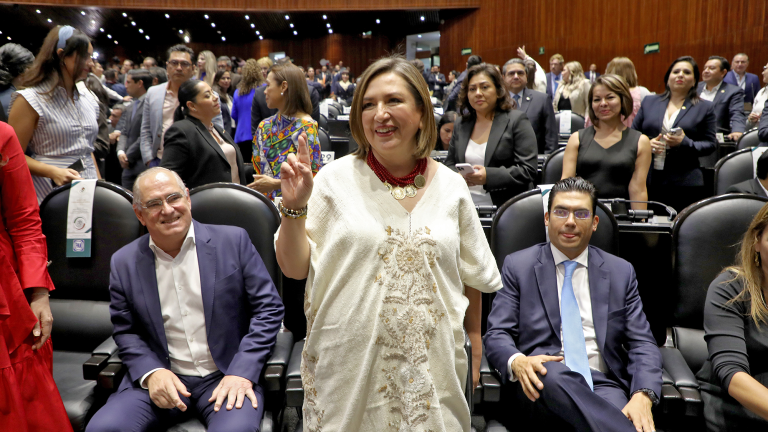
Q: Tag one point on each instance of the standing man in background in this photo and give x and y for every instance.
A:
(739, 77)
(556, 63)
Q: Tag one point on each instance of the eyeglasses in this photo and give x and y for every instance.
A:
(562, 213)
(177, 63)
(516, 72)
(156, 205)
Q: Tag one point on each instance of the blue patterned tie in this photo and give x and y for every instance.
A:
(517, 100)
(574, 345)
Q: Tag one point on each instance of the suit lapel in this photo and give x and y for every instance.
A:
(203, 131)
(463, 141)
(157, 109)
(599, 294)
(145, 265)
(546, 278)
(524, 102)
(497, 129)
(683, 111)
(206, 260)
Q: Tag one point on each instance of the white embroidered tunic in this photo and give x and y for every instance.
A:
(385, 302)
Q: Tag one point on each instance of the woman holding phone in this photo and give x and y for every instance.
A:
(277, 136)
(684, 132)
(496, 141)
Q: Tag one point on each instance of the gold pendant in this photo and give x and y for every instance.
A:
(398, 193)
(420, 181)
(410, 191)
(389, 187)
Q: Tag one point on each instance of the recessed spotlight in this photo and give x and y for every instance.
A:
(93, 21)
(218, 31)
(167, 16)
(253, 25)
(378, 21)
(257, 32)
(325, 17)
(37, 10)
(223, 38)
(101, 29)
(206, 16)
(181, 31)
(82, 13)
(330, 31)
(125, 14)
(115, 42)
(422, 17)
(328, 25)
(109, 36)
(9, 38)
(186, 39)
(419, 36)
(133, 23)
(261, 37)
(50, 20)
(141, 31)
(213, 25)
(295, 32)
(247, 17)
(291, 25)
(147, 36)
(287, 17)
(95, 55)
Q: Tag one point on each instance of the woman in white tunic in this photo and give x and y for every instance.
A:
(394, 255)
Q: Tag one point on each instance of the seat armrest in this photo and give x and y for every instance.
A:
(98, 360)
(490, 381)
(274, 371)
(677, 368)
(665, 378)
(294, 390)
(671, 399)
(111, 376)
(108, 347)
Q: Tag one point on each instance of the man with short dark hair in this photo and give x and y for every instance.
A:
(742, 79)
(159, 75)
(436, 82)
(728, 99)
(127, 65)
(556, 64)
(225, 63)
(149, 62)
(565, 300)
(536, 105)
(758, 185)
(129, 144)
(110, 77)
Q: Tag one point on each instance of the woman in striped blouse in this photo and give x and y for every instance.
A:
(58, 123)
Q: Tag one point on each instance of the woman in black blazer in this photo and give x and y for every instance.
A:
(678, 180)
(198, 151)
(497, 140)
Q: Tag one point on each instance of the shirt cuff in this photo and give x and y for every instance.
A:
(146, 375)
(512, 376)
(119, 152)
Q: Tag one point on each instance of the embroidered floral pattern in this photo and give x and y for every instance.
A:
(409, 320)
(313, 415)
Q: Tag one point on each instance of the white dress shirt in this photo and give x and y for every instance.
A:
(580, 283)
(475, 155)
(741, 80)
(710, 95)
(181, 304)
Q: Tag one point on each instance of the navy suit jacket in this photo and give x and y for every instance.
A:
(751, 186)
(699, 123)
(751, 86)
(525, 317)
(538, 107)
(549, 85)
(729, 108)
(130, 133)
(243, 311)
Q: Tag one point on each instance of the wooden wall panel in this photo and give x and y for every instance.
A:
(595, 31)
(265, 5)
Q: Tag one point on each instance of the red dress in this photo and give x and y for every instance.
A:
(29, 399)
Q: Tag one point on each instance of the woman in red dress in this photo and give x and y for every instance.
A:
(29, 399)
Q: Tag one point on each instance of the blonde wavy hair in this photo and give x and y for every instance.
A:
(210, 67)
(748, 269)
(577, 78)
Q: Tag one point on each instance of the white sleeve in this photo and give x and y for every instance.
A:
(146, 375)
(512, 376)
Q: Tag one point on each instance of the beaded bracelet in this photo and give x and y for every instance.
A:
(293, 214)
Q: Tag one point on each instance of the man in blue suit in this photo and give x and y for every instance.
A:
(566, 300)
(555, 74)
(195, 316)
(728, 99)
(536, 105)
(742, 79)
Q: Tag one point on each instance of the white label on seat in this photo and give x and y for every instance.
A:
(327, 156)
(565, 122)
(324, 108)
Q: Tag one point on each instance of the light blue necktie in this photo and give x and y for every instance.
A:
(574, 345)
(517, 100)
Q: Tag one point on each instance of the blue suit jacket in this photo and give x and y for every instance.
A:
(549, 84)
(751, 86)
(243, 311)
(699, 123)
(525, 317)
(729, 108)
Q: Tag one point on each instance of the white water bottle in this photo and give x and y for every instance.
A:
(659, 158)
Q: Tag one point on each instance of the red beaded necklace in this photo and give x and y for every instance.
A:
(387, 177)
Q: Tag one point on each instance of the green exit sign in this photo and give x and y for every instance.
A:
(651, 48)
(466, 51)
(541, 50)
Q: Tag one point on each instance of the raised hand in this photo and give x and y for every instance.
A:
(296, 176)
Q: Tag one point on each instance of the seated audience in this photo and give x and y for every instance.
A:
(14, 60)
(30, 401)
(676, 179)
(343, 90)
(193, 344)
(59, 147)
(221, 85)
(241, 107)
(608, 154)
(129, 143)
(760, 99)
(277, 135)
(567, 300)
(572, 91)
(742, 79)
(536, 105)
(206, 67)
(445, 131)
(758, 185)
(554, 76)
(436, 82)
(495, 139)
(728, 99)
(199, 151)
(734, 379)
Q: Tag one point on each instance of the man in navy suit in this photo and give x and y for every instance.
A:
(195, 316)
(436, 82)
(556, 64)
(137, 81)
(566, 300)
(536, 105)
(592, 73)
(742, 79)
(728, 99)
(755, 186)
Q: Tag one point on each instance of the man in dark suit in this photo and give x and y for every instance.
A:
(536, 105)
(111, 83)
(728, 99)
(195, 316)
(592, 73)
(129, 143)
(566, 300)
(742, 79)
(556, 64)
(436, 82)
(758, 185)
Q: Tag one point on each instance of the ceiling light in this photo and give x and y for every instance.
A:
(247, 17)
(253, 25)
(378, 21)
(125, 14)
(291, 25)
(325, 17)
(82, 13)
(141, 31)
(101, 29)
(95, 55)
(9, 38)
(93, 21)
(167, 16)
(181, 31)
(295, 32)
(419, 36)
(206, 16)
(147, 36)
(328, 25)
(37, 10)
(261, 37)
(115, 42)
(49, 20)
(257, 32)
(422, 17)
(330, 31)
(287, 17)
(186, 39)
(109, 36)
(223, 39)
(133, 23)
(213, 25)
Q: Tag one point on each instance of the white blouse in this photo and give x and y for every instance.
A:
(475, 155)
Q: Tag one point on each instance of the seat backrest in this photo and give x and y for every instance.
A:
(748, 140)
(325, 140)
(337, 105)
(577, 122)
(518, 224)
(438, 117)
(553, 167)
(333, 112)
(322, 123)
(705, 240)
(237, 205)
(114, 225)
(733, 168)
(606, 236)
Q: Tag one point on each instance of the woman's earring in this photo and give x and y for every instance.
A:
(757, 259)
(281, 93)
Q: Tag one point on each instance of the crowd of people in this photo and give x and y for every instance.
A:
(385, 340)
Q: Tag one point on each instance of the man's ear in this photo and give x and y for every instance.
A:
(546, 219)
(594, 223)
